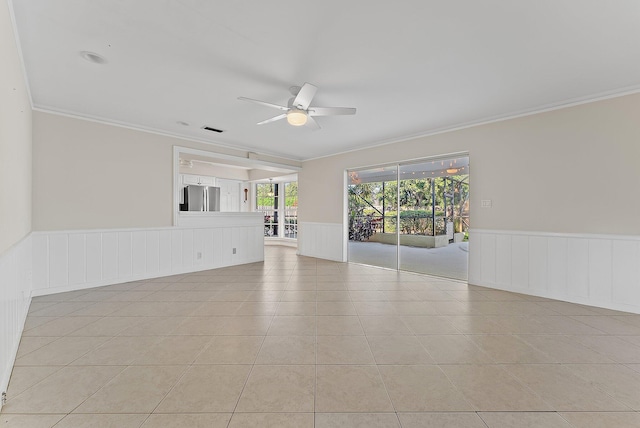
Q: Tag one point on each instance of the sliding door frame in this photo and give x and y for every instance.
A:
(397, 166)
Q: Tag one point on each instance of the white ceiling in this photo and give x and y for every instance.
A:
(410, 67)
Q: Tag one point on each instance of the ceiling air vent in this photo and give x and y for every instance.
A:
(208, 128)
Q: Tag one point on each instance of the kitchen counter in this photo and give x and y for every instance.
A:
(219, 219)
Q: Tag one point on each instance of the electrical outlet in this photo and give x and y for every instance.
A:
(198, 255)
(234, 251)
(486, 203)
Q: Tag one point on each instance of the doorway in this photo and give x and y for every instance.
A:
(411, 216)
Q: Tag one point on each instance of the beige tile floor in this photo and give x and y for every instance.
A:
(300, 342)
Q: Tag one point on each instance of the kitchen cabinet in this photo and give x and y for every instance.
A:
(200, 180)
(229, 195)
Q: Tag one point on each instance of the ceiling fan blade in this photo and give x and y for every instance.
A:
(331, 111)
(304, 97)
(279, 107)
(311, 123)
(273, 119)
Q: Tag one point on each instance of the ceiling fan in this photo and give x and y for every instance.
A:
(298, 111)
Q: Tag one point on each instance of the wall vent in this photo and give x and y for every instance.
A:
(208, 128)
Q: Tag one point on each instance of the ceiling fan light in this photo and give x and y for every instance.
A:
(296, 117)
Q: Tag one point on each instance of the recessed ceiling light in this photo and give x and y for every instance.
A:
(183, 123)
(93, 57)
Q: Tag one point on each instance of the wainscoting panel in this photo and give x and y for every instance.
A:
(77, 260)
(73, 260)
(139, 253)
(596, 270)
(538, 263)
(58, 248)
(578, 267)
(557, 264)
(94, 250)
(600, 270)
(519, 262)
(321, 240)
(626, 268)
(125, 267)
(110, 256)
(503, 260)
(15, 296)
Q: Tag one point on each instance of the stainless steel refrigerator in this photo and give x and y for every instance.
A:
(200, 198)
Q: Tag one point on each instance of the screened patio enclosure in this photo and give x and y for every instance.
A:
(411, 216)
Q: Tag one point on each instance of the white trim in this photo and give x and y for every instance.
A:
(16, 37)
(573, 102)
(590, 269)
(558, 234)
(137, 229)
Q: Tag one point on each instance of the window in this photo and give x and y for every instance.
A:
(267, 203)
(272, 206)
(291, 210)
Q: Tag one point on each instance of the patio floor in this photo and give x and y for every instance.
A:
(449, 262)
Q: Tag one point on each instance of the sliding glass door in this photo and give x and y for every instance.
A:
(411, 216)
(372, 205)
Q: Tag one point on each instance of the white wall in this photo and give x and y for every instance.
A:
(84, 171)
(15, 196)
(15, 140)
(569, 171)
